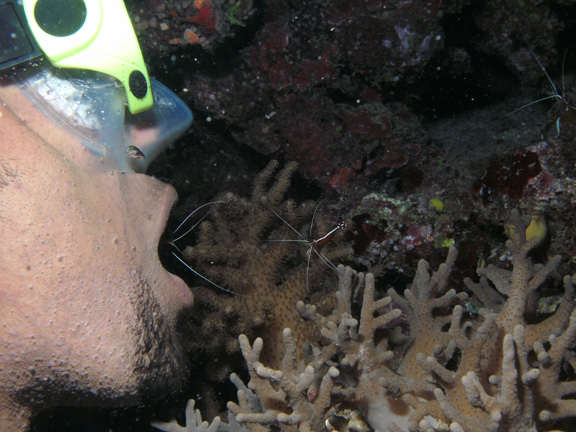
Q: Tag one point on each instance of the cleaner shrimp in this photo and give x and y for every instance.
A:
(557, 94)
(313, 244)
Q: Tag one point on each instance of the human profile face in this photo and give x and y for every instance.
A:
(87, 312)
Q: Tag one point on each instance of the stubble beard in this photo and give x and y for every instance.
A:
(159, 363)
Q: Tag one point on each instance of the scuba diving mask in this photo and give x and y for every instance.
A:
(96, 84)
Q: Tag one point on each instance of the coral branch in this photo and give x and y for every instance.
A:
(284, 396)
(423, 360)
(194, 422)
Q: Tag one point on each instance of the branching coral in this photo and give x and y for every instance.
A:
(488, 353)
(364, 357)
(512, 407)
(245, 247)
(194, 422)
(554, 389)
(519, 287)
(288, 402)
(425, 359)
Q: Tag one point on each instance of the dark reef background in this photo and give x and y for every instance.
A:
(414, 120)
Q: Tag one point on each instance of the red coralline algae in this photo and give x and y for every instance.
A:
(508, 175)
(368, 123)
(340, 179)
(313, 71)
(270, 56)
(266, 55)
(205, 17)
(364, 231)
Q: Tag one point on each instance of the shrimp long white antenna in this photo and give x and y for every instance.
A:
(563, 74)
(558, 95)
(173, 244)
(289, 226)
(204, 277)
(548, 77)
(196, 224)
(314, 215)
(532, 103)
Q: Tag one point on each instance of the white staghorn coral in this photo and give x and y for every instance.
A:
(512, 406)
(364, 358)
(194, 422)
(555, 391)
(422, 360)
(288, 403)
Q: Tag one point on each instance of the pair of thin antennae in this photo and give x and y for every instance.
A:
(172, 243)
(196, 224)
(557, 94)
(294, 229)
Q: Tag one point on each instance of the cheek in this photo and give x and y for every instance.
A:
(74, 245)
(81, 243)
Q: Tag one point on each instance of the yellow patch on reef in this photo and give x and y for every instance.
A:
(537, 228)
(437, 204)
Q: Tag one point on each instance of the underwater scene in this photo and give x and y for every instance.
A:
(376, 216)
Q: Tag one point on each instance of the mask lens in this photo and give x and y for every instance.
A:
(92, 107)
(60, 17)
(16, 46)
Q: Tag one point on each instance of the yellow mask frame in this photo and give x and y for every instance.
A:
(95, 35)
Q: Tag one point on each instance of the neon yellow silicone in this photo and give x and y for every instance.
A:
(106, 43)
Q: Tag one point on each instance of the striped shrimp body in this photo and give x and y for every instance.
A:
(313, 244)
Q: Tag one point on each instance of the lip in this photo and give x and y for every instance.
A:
(166, 198)
(165, 206)
(161, 199)
(182, 290)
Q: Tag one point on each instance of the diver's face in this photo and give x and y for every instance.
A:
(87, 312)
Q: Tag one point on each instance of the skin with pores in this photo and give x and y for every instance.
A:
(87, 312)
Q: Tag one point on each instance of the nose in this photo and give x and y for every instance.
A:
(148, 202)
